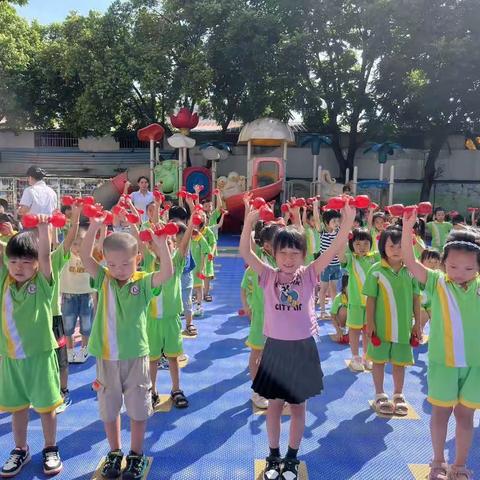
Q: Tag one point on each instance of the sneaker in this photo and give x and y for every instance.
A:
(112, 467)
(15, 462)
(198, 312)
(70, 355)
(155, 400)
(272, 468)
(83, 355)
(259, 401)
(136, 467)
(183, 358)
(67, 401)
(356, 364)
(52, 463)
(290, 469)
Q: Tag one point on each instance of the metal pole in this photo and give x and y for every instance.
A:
(355, 180)
(391, 184)
(284, 170)
(315, 161)
(318, 190)
(347, 175)
(249, 165)
(381, 171)
(152, 160)
(214, 180)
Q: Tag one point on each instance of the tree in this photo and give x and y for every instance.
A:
(429, 82)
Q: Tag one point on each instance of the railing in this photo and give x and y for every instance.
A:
(55, 140)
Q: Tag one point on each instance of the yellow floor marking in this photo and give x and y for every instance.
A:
(419, 472)
(412, 414)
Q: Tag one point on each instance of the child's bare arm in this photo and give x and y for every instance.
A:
(416, 268)
(370, 315)
(246, 250)
(185, 243)
(166, 267)
(73, 230)
(44, 255)
(86, 249)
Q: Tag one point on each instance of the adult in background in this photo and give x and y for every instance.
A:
(143, 196)
(38, 198)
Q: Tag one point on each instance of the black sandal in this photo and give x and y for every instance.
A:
(191, 330)
(208, 298)
(179, 399)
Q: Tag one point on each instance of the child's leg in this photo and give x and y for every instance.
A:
(378, 373)
(274, 414)
(112, 430)
(49, 426)
(463, 433)
(297, 425)
(322, 293)
(85, 340)
(174, 372)
(206, 286)
(332, 289)
(153, 374)
(354, 336)
(254, 362)
(137, 435)
(398, 379)
(438, 431)
(342, 318)
(70, 342)
(19, 428)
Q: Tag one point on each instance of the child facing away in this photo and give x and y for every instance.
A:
(339, 312)
(439, 229)
(77, 300)
(392, 300)
(453, 353)
(333, 272)
(29, 365)
(119, 340)
(289, 370)
(357, 260)
(164, 327)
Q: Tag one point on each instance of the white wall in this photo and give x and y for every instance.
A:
(9, 139)
(98, 144)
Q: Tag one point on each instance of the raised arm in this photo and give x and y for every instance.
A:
(166, 266)
(316, 215)
(44, 259)
(340, 242)
(185, 243)
(370, 213)
(73, 230)
(415, 267)
(245, 247)
(86, 249)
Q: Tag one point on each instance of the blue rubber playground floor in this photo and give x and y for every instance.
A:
(218, 437)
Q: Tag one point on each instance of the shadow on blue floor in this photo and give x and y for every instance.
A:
(218, 437)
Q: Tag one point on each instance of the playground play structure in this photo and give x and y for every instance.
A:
(266, 175)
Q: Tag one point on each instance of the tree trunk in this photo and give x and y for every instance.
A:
(337, 150)
(439, 136)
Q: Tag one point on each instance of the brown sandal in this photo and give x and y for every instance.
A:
(400, 405)
(438, 471)
(383, 405)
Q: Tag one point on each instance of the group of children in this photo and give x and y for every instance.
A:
(391, 287)
(126, 291)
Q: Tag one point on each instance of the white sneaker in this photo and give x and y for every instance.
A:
(356, 364)
(70, 355)
(83, 354)
(259, 401)
(368, 364)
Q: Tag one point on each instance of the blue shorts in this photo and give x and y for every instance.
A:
(187, 287)
(331, 274)
(77, 306)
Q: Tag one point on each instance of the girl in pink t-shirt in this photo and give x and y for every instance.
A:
(289, 370)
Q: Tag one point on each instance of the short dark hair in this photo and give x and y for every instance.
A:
(289, 237)
(394, 233)
(257, 230)
(430, 253)
(22, 245)
(36, 173)
(438, 209)
(182, 228)
(177, 213)
(378, 215)
(64, 208)
(456, 219)
(329, 215)
(359, 234)
(268, 232)
(143, 177)
(462, 241)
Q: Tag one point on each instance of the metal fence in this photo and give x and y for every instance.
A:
(11, 188)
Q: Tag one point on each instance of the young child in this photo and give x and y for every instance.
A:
(289, 370)
(29, 365)
(439, 229)
(200, 250)
(311, 224)
(77, 301)
(256, 339)
(357, 260)
(453, 353)
(119, 340)
(339, 311)
(430, 259)
(331, 274)
(164, 327)
(376, 223)
(418, 236)
(392, 299)
(209, 236)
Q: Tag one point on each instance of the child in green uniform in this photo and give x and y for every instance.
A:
(376, 225)
(357, 260)
(29, 365)
(119, 340)
(312, 226)
(439, 229)
(209, 268)
(453, 353)
(200, 250)
(256, 338)
(339, 311)
(164, 327)
(393, 297)
(431, 259)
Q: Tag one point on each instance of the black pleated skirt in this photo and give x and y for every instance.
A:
(289, 370)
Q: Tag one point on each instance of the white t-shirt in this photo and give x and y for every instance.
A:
(74, 279)
(141, 201)
(40, 199)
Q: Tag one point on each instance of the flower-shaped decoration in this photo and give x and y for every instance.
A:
(185, 120)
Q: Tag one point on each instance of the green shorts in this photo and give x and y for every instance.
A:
(30, 381)
(400, 354)
(448, 386)
(197, 282)
(356, 317)
(256, 339)
(209, 269)
(165, 336)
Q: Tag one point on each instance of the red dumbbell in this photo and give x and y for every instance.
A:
(300, 202)
(158, 196)
(201, 276)
(182, 194)
(210, 257)
(171, 228)
(414, 341)
(216, 191)
(285, 207)
(57, 220)
(68, 200)
(472, 209)
(335, 203)
(376, 342)
(197, 219)
(425, 208)
(145, 236)
(118, 210)
(258, 203)
(242, 313)
(266, 214)
(373, 206)
(132, 218)
(396, 210)
(88, 200)
(360, 201)
(410, 210)
(108, 218)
